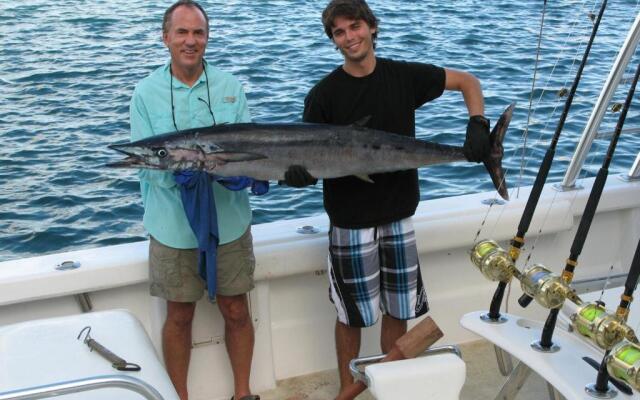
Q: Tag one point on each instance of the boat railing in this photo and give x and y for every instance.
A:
(634, 172)
(591, 129)
(83, 385)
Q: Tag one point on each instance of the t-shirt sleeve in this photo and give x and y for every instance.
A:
(313, 108)
(427, 80)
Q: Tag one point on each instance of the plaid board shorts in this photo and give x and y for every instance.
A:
(375, 269)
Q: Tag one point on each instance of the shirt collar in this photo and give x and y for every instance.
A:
(177, 83)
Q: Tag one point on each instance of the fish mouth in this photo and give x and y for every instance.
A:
(132, 160)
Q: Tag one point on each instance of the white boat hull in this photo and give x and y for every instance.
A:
(291, 310)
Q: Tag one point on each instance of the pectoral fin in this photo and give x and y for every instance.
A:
(362, 122)
(365, 178)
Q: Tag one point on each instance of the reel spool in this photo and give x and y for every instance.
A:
(624, 363)
(493, 261)
(549, 290)
(603, 328)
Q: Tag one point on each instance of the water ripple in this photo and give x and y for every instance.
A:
(68, 70)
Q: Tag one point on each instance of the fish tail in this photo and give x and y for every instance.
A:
(493, 162)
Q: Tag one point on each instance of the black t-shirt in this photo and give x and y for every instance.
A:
(389, 96)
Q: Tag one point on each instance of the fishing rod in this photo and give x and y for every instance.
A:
(496, 263)
(622, 361)
(613, 327)
(587, 218)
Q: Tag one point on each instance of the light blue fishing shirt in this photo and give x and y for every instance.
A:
(150, 113)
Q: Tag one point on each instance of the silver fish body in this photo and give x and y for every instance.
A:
(265, 151)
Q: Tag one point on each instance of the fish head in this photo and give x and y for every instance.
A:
(177, 152)
(159, 153)
(141, 157)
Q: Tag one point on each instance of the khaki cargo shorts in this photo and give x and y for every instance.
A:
(173, 273)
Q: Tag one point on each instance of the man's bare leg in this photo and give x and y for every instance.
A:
(176, 344)
(239, 339)
(392, 329)
(347, 348)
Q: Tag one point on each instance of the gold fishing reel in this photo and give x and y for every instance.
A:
(605, 329)
(623, 362)
(493, 261)
(548, 289)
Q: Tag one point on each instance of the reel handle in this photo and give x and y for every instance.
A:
(525, 300)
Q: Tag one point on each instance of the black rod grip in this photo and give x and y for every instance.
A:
(496, 302)
(546, 340)
(621, 386)
(602, 385)
(634, 273)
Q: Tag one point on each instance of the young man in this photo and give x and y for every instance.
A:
(187, 92)
(373, 260)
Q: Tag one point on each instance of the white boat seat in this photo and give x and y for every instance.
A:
(47, 351)
(433, 376)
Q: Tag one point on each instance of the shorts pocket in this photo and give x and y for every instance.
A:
(165, 266)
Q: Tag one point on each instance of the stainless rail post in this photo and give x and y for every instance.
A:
(83, 385)
(590, 131)
(514, 382)
(634, 172)
(505, 365)
(553, 393)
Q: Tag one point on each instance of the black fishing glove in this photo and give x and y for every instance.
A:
(477, 146)
(298, 176)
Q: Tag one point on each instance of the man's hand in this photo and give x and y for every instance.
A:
(477, 146)
(298, 176)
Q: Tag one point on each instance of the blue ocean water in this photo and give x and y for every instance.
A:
(68, 68)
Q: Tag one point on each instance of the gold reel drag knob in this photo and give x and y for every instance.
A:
(624, 363)
(492, 261)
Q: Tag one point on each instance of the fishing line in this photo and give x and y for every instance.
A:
(588, 214)
(507, 173)
(539, 140)
(606, 283)
(518, 240)
(564, 47)
(583, 175)
(533, 86)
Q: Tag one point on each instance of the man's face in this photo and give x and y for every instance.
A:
(354, 38)
(186, 37)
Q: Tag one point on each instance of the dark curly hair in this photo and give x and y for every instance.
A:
(353, 9)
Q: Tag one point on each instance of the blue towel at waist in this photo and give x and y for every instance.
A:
(200, 206)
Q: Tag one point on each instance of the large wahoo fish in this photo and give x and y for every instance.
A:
(265, 151)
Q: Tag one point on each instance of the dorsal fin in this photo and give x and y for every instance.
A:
(362, 122)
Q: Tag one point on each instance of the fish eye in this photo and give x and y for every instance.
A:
(160, 152)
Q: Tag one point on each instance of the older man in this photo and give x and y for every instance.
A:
(187, 92)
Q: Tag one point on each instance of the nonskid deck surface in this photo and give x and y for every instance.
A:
(483, 380)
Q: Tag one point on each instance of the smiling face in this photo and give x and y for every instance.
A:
(354, 39)
(186, 38)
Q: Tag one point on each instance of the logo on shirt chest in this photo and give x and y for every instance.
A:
(229, 99)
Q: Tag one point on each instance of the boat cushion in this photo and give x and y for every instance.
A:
(438, 376)
(47, 351)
